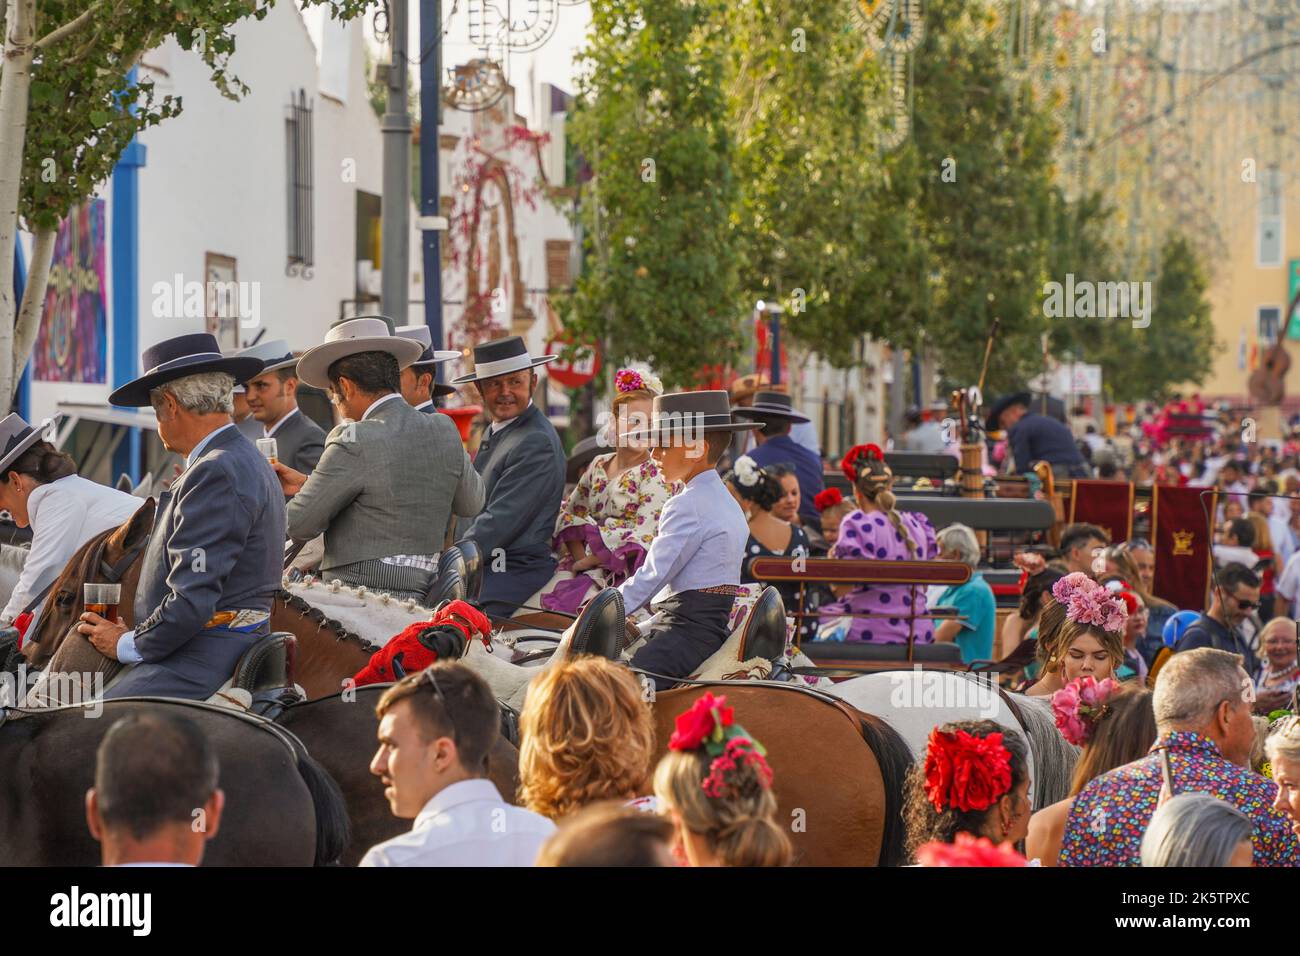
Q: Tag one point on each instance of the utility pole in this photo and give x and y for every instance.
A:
(430, 187)
(396, 207)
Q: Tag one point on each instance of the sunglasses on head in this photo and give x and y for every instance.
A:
(446, 707)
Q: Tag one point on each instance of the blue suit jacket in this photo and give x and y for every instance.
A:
(217, 545)
(784, 450)
(1039, 438)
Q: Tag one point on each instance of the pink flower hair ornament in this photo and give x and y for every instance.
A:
(630, 380)
(1079, 705)
(1087, 602)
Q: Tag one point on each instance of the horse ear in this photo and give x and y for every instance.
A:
(138, 528)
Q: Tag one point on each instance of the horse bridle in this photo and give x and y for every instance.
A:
(113, 572)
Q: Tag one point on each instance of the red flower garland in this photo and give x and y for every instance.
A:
(705, 719)
(968, 850)
(964, 771)
(827, 498)
(848, 464)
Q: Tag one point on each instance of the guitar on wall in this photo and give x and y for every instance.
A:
(1267, 384)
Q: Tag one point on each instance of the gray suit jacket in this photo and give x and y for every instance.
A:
(251, 428)
(386, 485)
(299, 443)
(217, 545)
(523, 470)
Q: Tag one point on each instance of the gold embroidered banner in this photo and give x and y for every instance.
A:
(1183, 545)
(1107, 504)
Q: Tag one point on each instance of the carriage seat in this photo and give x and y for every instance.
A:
(764, 629)
(266, 672)
(937, 653)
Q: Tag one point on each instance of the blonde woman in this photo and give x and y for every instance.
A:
(1283, 750)
(715, 785)
(587, 734)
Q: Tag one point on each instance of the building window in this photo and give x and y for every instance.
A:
(1270, 218)
(298, 157)
(1270, 317)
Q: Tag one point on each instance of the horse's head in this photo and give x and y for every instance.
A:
(119, 549)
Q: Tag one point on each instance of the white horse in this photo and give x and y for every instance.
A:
(509, 660)
(916, 701)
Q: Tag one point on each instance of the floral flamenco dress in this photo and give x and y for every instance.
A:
(616, 519)
(864, 535)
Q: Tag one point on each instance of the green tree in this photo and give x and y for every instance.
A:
(660, 281)
(68, 109)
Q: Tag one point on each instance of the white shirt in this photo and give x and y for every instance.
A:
(64, 515)
(126, 652)
(700, 544)
(1288, 585)
(497, 426)
(379, 401)
(270, 432)
(466, 824)
(423, 405)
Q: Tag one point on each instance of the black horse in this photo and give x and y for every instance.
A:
(282, 808)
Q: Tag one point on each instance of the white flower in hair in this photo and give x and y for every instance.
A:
(652, 383)
(747, 471)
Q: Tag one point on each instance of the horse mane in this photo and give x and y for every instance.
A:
(295, 603)
(1054, 757)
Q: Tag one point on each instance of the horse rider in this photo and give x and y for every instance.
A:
(213, 563)
(273, 397)
(40, 488)
(522, 464)
(419, 387)
(390, 479)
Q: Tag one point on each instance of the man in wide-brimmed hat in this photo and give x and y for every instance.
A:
(696, 556)
(273, 397)
(419, 387)
(213, 563)
(1033, 437)
(522, 464)
(774, 411)
(390, 478)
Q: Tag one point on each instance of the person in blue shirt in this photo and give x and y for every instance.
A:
(972, 630)
(1033, 437)
(775, 412)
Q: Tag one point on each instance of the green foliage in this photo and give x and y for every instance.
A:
(661, 282)
(82, 110)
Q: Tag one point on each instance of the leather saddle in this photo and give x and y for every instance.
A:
(450, 582)
(763, 633)
(266, 672)
(601, 626)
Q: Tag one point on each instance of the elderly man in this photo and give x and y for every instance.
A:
(522, 464)
(418, 385)
(214, 560)
(1202, 704)
(273, 397)
(390, 478)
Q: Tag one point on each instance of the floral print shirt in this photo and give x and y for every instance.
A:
(1110, 815)
(622, 513)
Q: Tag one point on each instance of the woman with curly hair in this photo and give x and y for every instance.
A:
(1089, 642)
(1115, 724)
(715, 785)
(586, 734)
(879, 613)
(758, 491)
(974, 780)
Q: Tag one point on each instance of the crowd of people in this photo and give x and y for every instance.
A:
(1176, 711)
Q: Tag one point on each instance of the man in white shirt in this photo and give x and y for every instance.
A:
(155, 801)
(436, 728)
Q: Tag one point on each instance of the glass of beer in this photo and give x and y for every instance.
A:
(268, 449)
(103, 599)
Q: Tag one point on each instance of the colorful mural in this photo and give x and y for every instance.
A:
(72, 343)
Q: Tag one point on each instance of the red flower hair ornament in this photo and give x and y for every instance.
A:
(849, 463)
(828, 498)
(968, 850)
(966, 772)
(711, 725)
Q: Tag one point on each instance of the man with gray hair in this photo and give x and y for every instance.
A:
(214, 560)
(1202, 704)
(976, 607)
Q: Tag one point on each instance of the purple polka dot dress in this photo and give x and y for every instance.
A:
(872, 535)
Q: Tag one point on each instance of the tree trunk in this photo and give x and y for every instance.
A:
(29, 314)
(15, 83)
